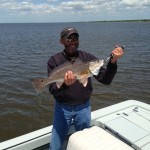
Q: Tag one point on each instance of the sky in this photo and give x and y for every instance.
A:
(30, 11)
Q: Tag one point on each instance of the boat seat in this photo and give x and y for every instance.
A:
(95, 138)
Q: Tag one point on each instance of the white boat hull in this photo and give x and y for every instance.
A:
(115, 118)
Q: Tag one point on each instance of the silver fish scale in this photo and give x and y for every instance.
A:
(59, 72)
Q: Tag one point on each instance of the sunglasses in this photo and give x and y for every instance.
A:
(72, 39)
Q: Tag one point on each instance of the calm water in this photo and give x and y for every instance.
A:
(25, 49)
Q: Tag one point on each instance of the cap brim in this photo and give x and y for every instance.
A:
(67, 34)
(73, 32)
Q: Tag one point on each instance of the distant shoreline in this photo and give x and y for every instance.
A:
(140, 20)
(137, 20)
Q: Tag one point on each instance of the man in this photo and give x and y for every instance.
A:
(72, 98)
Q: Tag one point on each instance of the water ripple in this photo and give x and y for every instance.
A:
(25, 49)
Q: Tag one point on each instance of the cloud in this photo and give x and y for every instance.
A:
(26, 7)
(66, 8)
(136, 3)
(55, 6)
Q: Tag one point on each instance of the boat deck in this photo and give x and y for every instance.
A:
(129, 121)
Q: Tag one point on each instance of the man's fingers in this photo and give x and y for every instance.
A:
(69, 78)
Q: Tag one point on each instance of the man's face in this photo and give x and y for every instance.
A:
(71, 44)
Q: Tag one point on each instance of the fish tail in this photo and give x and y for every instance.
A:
(39, 84)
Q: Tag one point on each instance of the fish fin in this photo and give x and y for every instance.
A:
(39, 84)
(84, 81)
(59, 84)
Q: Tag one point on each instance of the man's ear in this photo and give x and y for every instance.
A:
(62, 41)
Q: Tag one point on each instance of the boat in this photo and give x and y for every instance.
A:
(125, 124)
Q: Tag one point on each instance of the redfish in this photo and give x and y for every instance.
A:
(82, 70)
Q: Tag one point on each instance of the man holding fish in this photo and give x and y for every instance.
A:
(70, 83)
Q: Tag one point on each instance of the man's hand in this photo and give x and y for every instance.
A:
(69, 78)
(117, 53)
